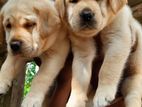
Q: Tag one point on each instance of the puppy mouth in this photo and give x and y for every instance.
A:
(23, 48)
(27, 52)
(88, 25)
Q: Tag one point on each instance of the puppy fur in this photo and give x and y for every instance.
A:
(36, 25)
(121, 37)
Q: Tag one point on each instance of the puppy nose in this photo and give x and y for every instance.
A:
(15, 45)
(87, 15)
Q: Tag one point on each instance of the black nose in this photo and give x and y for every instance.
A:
(15, 45)
(87, 15)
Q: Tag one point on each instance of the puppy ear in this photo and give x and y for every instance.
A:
(60, 5)
(41, 25)
(48, 16)
(116, 5)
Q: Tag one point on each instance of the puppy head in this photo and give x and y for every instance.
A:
(29, 25)
(87, 17)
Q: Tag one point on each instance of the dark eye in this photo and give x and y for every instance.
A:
(8, 26)
(73, 1)
(29, 25)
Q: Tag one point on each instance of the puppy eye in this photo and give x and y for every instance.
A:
(29, 25)
(73, 1)
(8, 26)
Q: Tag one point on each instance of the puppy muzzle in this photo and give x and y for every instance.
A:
(87, 18)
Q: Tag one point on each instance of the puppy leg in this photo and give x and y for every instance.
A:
(10, 68)
(132, 86)
(50, 67)
(62, 92)
(132, 91)
(115, 58)
(84, 52)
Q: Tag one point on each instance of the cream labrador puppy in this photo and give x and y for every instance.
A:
(121, 37)
(32, 29)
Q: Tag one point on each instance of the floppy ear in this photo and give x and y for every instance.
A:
(60, 6)
(48, 16)
(116, 5)
(41, 25)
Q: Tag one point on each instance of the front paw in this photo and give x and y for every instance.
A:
(75, 101)
(4, 86)
(32, 101)
(104, 96)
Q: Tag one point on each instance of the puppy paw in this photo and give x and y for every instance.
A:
(76, 102)
(104, 96)
(4, 86)
(32, 101)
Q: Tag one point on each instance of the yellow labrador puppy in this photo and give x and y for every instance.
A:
(32, 29)
(121, 37)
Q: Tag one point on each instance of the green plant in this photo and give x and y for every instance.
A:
(31, 70)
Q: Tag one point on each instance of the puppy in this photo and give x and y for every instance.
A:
(32, 29)
(121, 37)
